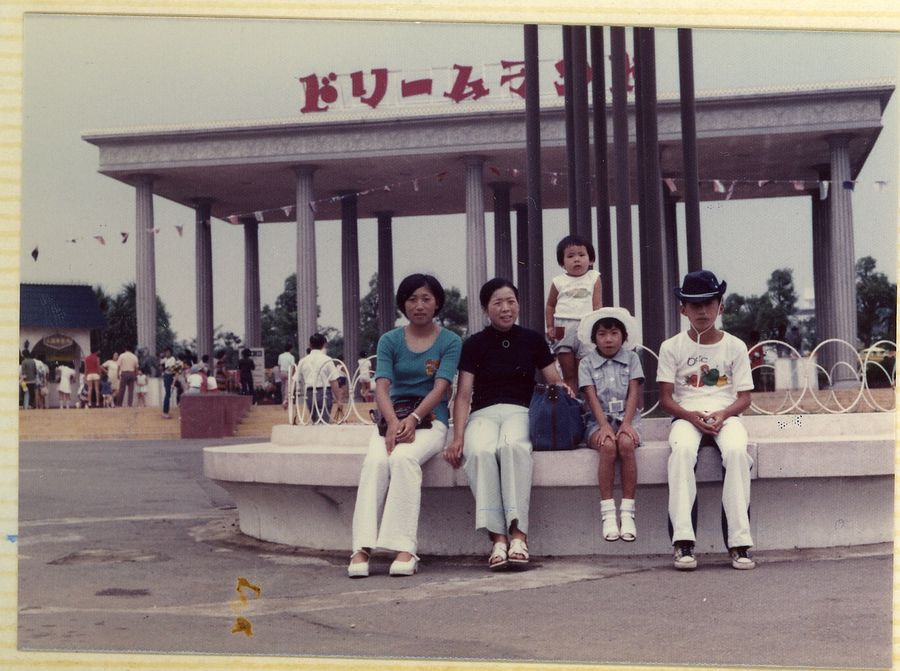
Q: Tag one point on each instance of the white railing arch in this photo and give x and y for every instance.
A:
(300, 409)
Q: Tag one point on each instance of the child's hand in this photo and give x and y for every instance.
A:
(715, 420)
(602, 436)
(551, 333)
(705, 423)
(629, 431)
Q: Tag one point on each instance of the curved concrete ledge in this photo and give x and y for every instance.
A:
(819, 481)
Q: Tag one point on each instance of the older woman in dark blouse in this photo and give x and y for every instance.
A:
(490, 415)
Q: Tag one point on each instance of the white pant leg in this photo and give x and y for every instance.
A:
(400, 522)
(684, 440)
(516, 465)
(732, 442)
(373, 485)
(483, 469)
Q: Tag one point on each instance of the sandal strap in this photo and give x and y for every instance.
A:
(518, 546)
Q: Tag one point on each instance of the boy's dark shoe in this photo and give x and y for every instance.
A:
(740, 559)
(684, 556)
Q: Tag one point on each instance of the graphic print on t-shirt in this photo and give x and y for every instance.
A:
(705, 373)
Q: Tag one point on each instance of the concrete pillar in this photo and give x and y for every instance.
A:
(821, 235)
(842, 254)
(252, 304)
(145, 264)
(387, 313)
(534, 291)
(203, 253)
(307, 308)
(476, 253)
(502, 231)
(350, 278)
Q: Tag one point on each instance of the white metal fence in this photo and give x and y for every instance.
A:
(844, 383)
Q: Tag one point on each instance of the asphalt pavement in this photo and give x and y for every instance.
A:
(125, 546)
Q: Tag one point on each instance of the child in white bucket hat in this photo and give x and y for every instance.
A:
(611, 379)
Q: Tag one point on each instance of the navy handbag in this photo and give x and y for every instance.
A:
(554, 419)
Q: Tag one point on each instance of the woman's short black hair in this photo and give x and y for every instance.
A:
(489, 287)
(411, 283)
(574, 241)
(608, 323)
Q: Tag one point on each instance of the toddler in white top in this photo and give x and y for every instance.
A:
(573, 294)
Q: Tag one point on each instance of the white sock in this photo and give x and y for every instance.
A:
(627, 507)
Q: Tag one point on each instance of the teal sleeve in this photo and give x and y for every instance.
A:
(384, 363)
(450, 358)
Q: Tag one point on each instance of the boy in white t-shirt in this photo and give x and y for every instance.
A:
(573, 294)
(705, 383)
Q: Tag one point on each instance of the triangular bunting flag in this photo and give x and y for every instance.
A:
(287, 210)
(718, 187)
(233, 219)
(180, 230)
(258, 215)
(671, 184)
(849, 184)
(34, 253)
(124, 237)
(100, 239)
(823, 189)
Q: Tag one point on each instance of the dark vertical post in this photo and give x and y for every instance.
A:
(689, 149)
(580, 125)
(673, 279)
(502, 237)
(350, 278)
(620, 153)
(535, 203)
(522, 272)
(598, 99)
(570, 128)
(387, 314)
(653, 279)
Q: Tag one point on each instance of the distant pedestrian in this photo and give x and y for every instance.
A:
(127, 367)
(28, 378)
(170, 367)
(106, 390)
(92, 378)
(141, 390)
(66, 379)
(43, 381)
(316, 371)
(111, 366)
(246, 366)
(364, 376)
(285, 361)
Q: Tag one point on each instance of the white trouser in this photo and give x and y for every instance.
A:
(393, 483)
(684, 439)
(498, 465)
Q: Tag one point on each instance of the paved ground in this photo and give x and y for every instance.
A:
(126, 547)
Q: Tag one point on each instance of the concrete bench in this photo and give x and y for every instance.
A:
(819, 480)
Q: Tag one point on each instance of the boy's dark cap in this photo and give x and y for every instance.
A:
(699, 286)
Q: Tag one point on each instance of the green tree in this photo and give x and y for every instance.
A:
(876, 303)
(769, 314)
(121, 319)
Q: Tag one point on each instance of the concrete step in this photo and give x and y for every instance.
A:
(98, 424)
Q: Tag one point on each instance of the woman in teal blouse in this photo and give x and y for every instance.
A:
(416, 361)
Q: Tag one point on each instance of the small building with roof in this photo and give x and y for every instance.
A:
(56, 320)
